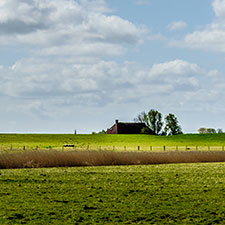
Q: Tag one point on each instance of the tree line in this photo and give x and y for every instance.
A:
(204, 130)
(154, 121)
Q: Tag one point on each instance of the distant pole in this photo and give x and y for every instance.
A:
(75, 131)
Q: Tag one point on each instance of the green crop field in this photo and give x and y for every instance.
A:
(154, 194)
(84, 141)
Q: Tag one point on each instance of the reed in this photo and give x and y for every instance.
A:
(38, 159)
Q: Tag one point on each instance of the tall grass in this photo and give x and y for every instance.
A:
(36, 159)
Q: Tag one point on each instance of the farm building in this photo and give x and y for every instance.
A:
(126, 128)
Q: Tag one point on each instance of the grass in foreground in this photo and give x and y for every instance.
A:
(39, 159)
(156, 194)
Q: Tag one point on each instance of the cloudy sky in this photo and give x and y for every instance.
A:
(81, 64)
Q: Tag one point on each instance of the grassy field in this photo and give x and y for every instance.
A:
(84, 141)
(155, 194)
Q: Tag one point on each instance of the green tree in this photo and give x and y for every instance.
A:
(145, 130)
(152, 119)
(211, 131)
(202, 130)
(172, 126)
(219, 131)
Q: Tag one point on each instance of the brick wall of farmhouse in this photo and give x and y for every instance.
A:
(113, 129)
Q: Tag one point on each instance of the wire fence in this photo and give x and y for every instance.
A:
(111, 148)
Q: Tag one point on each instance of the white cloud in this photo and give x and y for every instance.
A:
(143, 2)
(212, 39)
(47, 90)
(68, 42)
(71, 64)
(96, 84)
(212, 36)
(177, 25)
(219, 7)
(62, 26)
(175, 67)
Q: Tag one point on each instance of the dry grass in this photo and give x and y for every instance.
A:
(36, 159)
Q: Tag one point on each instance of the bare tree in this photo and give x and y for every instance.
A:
(152, 119)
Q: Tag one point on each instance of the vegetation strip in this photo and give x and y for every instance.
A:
(39, 159)
(11, 142)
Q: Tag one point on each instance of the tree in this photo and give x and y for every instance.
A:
(172, 126)
(152, 119)
(145, 130)
(100, 132)
(202, 130)
(219, 131)
(211, 131)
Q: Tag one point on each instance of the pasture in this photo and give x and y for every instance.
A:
(153, 194)
(138, 194)
(111, 142)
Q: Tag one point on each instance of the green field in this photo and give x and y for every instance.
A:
(84, 141)
(155, 194)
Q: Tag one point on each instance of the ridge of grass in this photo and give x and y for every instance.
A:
(84, 140)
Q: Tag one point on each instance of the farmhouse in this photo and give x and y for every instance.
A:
(126, 128)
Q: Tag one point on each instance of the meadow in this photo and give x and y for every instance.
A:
(110, 142)
(82, 187)
(153, 194)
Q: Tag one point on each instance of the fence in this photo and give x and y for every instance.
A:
(112, 148)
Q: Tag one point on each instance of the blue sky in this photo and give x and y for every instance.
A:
(69, 64)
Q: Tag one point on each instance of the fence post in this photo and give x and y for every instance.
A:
(138, 148)
(164, 148)
(24, 148)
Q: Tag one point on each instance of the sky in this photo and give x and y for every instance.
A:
(82, 64)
